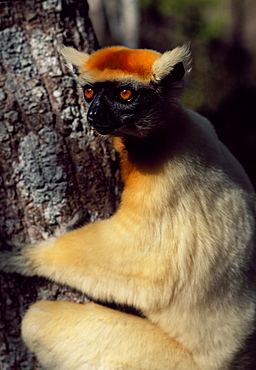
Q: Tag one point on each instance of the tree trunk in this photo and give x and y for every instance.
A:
(51, 163)
(119, 17)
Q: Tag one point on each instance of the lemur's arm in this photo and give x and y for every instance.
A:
(113, 259)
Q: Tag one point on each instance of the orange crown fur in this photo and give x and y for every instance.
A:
(117, 62)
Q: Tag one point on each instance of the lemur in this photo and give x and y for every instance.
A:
(180, 248)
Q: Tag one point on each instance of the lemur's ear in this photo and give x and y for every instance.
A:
(172, 65)
(73, 56)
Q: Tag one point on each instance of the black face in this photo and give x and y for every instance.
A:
(116, 108)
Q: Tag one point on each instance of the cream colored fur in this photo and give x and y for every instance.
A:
(178, 249)
(73, 56)
(164, 65)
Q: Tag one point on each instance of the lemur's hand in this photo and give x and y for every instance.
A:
(16, 259)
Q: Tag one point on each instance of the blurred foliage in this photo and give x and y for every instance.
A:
(193, 18)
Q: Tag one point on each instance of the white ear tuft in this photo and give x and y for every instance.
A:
(164, 65)
(73, 56)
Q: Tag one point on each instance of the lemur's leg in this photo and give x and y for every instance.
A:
(66, 336)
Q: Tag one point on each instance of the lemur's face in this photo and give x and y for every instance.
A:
(120, 108)
(127, 91)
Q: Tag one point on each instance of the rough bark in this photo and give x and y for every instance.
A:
(51, 163)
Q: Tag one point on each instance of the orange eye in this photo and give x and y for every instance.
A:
(126, 94)
(89, 93)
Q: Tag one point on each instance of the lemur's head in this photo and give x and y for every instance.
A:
(127, 90)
